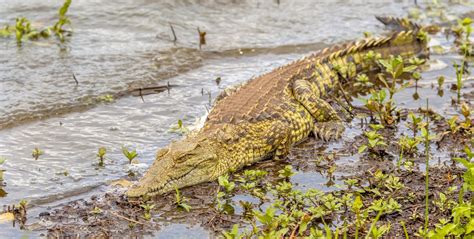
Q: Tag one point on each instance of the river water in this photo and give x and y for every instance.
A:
(126, 44)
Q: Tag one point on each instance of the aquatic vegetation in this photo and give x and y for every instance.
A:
(24, 31)
(395, 66)
(147, 208)
(461, 223)
(63, 20)
(180, 201)
(228, 187)
(130, 155)
(37, 153)
(106, 98)
(374, 141)
(101, 155)
(379, 105)
(96, 211)
(202, 38)
(362, 80)
(179, 128)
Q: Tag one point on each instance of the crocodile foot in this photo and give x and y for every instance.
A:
(328, 130)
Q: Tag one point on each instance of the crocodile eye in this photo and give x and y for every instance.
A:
(161, 153)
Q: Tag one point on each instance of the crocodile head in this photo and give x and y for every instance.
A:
(183, 163)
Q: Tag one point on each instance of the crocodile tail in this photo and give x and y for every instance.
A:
(399, 24)
(405, 43)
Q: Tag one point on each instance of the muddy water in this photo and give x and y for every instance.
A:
(127, 44)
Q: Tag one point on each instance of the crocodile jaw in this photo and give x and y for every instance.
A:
(182, 164)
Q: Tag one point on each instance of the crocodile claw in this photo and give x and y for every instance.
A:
(327, 131)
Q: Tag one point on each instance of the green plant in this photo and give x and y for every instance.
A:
(106, 98)
(441, 81)
(63, 20)
(24, 30)
(180, 201)
(415, 123)
(101, 155)
(356, 208)
(362, 80)
(234, 233)
(37, 153)
(396, 67)
(147, 208)
(427, 137)
(351, 183)
(379, 105)
(374, 140)
(459, 74)
(129, 154)
(286, 172)
(96, 211)
(225, 183)
(228, 187)
(408, 146)
(180, 128)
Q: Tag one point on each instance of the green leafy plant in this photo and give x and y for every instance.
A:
(37, 153)
(180, 128)
(459, 74)
(96, 211)
(63, 20)
(415, 123)
(395, 67)
(228, 187)
(362, 80)
(23, 29)
(106, 98)
(374, 140)
(286, 172)
(147, 208)
(101, 155)
(180, 201)
(130, 155)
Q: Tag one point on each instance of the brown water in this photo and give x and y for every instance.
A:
(127, 44)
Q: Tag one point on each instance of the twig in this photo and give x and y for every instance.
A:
(344, 94)
(141, 95)
(202, 38)
(175, 39)
(293, 233)
(343, 106)
(74, 77)
(128, 219)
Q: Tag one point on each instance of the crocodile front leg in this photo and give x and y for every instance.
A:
(328, 124)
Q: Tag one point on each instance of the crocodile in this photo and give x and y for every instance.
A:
(266, 116)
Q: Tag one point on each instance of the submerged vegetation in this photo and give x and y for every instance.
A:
(23, 29)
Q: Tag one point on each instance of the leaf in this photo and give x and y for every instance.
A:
(357, 205)
(64, 8)
(464, 162)
(362, 148)
(466, 21)
(470, 226)
(185, 206)
(409, 68)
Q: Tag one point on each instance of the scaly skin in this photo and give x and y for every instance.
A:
(266, 116)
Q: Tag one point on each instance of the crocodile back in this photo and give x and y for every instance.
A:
(269, 95)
